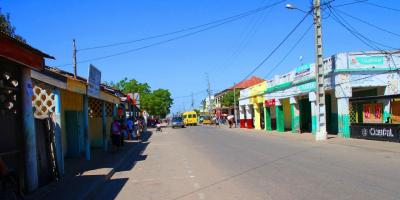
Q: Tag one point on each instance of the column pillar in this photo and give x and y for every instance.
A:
(343, 92)
(57, 132)
(280, 121)
(249, 117)
(294, 111)
(104, 125)
(86, 126)
(28, 132)
(242, 116)
(343, 117)
(312, 99)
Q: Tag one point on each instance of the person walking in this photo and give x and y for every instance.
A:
(130, 124)
(230, 120)
(124, 131)
(116, 134)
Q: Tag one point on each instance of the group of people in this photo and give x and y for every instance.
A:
(122, 129)
(229, 118)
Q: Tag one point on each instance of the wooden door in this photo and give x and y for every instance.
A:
(73, 120)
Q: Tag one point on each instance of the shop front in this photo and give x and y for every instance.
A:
(369, 121)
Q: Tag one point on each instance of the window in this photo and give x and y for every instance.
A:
(184, 116)
(190, 116)
(194, 116)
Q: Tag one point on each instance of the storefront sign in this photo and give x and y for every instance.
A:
(270, 102)
(378, 131)
(303, 73)
(363, 61)
(94, 81)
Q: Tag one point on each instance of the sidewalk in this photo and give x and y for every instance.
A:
(332, 139)
(83, 177)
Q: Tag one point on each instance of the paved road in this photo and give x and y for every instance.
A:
(218, 163)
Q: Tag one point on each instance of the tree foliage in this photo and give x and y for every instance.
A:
(7, 28)
(227, 99)
(157, 102)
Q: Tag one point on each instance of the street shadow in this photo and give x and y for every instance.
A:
(81, 174)
(114, 186)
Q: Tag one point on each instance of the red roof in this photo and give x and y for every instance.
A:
(254, 80)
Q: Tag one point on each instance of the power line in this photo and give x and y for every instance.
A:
(278, 46)
(365, 22)
(290, 51)
(350, 3)
(246, 13)
(384, 7)
(372, 44)
(178, 37)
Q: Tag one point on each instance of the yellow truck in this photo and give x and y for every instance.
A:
(190, 118)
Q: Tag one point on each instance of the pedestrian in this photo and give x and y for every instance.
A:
(138, 129)
(129, 124)
(216, 121)
(116, 134)
(158, 126)
(230, 120)
(124, 131)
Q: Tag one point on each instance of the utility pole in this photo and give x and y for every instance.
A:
(209, 95)
(234, 103)
(319, 74)
(74, 56)
(192, 102)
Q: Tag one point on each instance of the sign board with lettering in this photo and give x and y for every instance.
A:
(304, 73)
(367, 62)
(377, 131)
(94, 80)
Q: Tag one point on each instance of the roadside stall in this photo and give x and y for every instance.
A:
(368, 120)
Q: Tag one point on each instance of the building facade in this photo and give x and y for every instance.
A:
(290, 100)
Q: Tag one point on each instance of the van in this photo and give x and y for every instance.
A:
(190, 118)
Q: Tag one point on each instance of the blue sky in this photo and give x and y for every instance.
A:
(226, 53)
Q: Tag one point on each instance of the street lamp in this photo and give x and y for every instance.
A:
(293, 7)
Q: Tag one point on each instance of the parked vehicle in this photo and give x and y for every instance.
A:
(177, 122)
(207, 120)
(190, 118)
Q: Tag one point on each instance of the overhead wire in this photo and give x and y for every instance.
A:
(253, 11)
(290, 51)
(181, 36)
(367, 23)
(372, 44)
(350, 3)
(384, 7)
(278, 46)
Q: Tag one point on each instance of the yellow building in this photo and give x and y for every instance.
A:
(256, 100)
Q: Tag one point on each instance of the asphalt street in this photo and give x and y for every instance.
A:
(219, 163)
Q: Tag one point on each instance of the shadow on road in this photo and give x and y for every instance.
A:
(83, 178)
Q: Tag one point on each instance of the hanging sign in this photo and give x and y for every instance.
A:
(270, 102)
(94, 81)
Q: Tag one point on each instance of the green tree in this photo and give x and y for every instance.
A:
(227, 99)
(7, 28)
(157, 102)
(132, 86)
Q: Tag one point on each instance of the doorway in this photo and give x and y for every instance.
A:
(73, 120)
(305, 115)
